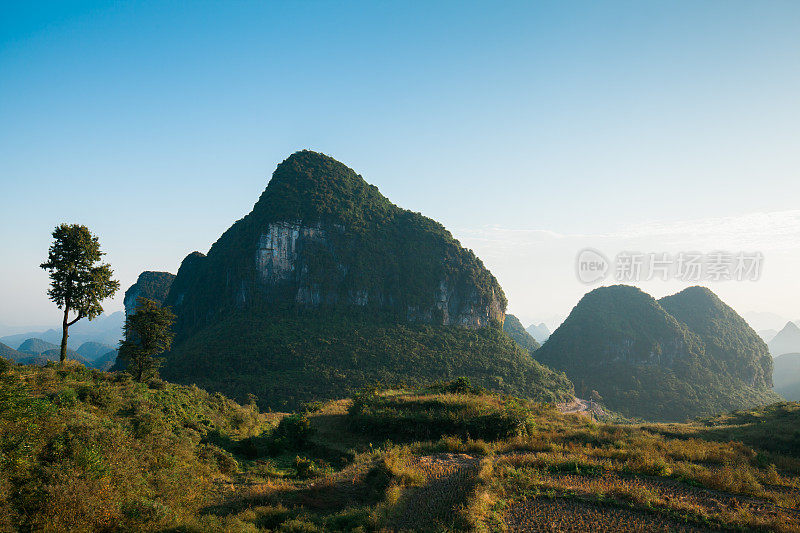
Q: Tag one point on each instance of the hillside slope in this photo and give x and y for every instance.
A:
(286, 359)
(516, 331)
(150, 284)
(646, 363)
(727, 337)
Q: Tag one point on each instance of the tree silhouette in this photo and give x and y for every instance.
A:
(148, 332)
(77, 282)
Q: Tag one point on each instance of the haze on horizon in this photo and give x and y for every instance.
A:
(530, 131)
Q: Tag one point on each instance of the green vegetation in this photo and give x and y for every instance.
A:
(151, 285)
(93, 350)
(78, 282)
(287, 358)
(517, 331)
(737, 349)
(34, 346)
(10, 353)
(148, 333)
(366, 253)
(647, 363)
(327, 287)
(431, 416)
(87, 450)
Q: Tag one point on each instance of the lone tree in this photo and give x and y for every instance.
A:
(148, 332)
(78, 283)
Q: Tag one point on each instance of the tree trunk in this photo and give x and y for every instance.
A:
(64, 335)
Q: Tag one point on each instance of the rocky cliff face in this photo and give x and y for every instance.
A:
(321, 236)
(151, 285)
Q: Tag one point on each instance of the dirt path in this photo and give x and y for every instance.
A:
(451, 478)
(575, 406)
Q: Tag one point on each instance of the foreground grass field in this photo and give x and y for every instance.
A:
(93, 451)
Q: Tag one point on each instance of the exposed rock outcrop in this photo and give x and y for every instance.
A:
(151, 285)
(321, 236)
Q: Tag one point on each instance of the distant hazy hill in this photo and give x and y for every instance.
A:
(787, 376)
(106, 329)
(647, 363)
(786, 341)
(36, 346)
(541, 332)
(105, 361)
(10, 353)
(767, 334)
(326, 286)
(93, 350)
(516, 331)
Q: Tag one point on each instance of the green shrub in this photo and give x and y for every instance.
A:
(430, 417)
(305, 468)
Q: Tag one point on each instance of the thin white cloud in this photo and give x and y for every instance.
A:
(536, 266)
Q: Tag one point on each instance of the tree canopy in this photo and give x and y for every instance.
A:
(148, 333)
(78, 281)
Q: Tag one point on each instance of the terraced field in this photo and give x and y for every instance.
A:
(450, 480)
(383, 461)
(563, 472)
(565, 514)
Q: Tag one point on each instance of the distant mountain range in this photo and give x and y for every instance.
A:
(787, 376)
(765, 320)
(541, 332)
(105, 329)
(683, 356)
(786, 340)
(35, 346)
(38, 352)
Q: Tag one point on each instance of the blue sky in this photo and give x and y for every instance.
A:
(158, 124)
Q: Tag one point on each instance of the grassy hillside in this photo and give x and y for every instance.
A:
(341, 354)
(85, 450)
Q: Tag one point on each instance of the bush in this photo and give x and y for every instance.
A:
(292, 432)
(405, 418)
(305, 468)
